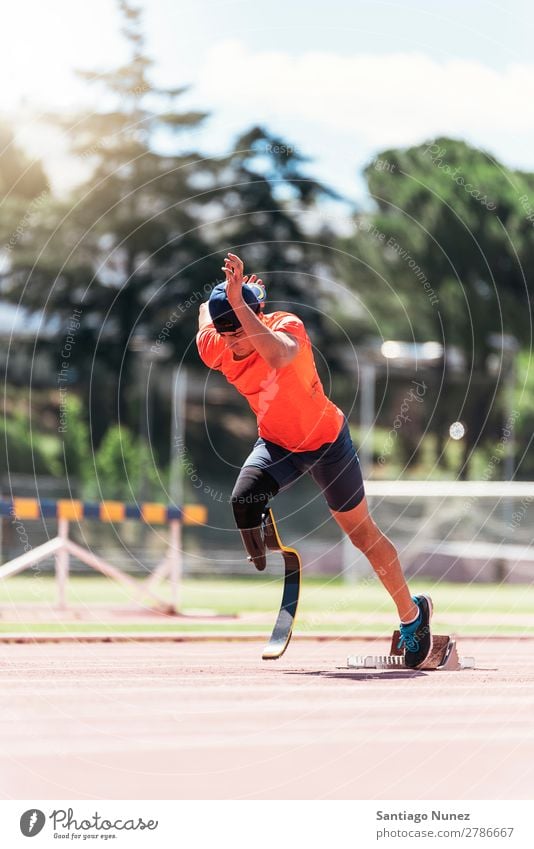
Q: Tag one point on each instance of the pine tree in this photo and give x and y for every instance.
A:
(125, 245)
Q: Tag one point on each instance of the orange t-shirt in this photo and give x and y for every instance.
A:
(290, 404)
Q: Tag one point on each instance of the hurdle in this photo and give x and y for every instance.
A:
(61, 547)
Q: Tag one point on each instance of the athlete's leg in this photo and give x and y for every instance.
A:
(267, 469)
(252, 491)
(337, 471)
(381, 553)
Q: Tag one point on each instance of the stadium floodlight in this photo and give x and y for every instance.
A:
(398, 354)
(412, 353)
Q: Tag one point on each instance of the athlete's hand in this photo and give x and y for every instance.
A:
(253, 279)
(233, 269)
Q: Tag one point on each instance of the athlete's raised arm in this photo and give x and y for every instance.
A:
(275, 347)
(204, 317)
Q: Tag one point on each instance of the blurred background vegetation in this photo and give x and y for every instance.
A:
(122, 263)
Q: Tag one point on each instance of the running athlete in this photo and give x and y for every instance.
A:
(269, 360)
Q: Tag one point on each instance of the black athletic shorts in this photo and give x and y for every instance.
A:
(334, 467)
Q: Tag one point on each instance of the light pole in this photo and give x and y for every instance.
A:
(504, 361)
(177, 451)
(399, 355)
(367, 414)
(148, 355)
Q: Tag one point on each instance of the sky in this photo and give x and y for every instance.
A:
(338, 79)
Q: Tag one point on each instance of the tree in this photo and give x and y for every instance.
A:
(446, 238)
(457, 210)
(24, 191)
(119, 465)
(21, 178)
(75, 459)
(138, 244)
(261, 199)
(125, 244)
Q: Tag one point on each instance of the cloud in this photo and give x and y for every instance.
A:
(379, 100)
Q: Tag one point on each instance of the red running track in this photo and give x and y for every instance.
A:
(212, 720)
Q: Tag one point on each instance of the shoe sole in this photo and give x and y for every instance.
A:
(430, 613)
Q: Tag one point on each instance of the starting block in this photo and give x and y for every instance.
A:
(443, 657)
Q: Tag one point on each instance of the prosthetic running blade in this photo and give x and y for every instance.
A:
(283, 628)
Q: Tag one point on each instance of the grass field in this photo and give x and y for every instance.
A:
(27, 604)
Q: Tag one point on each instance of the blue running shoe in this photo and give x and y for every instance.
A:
(416, 637)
